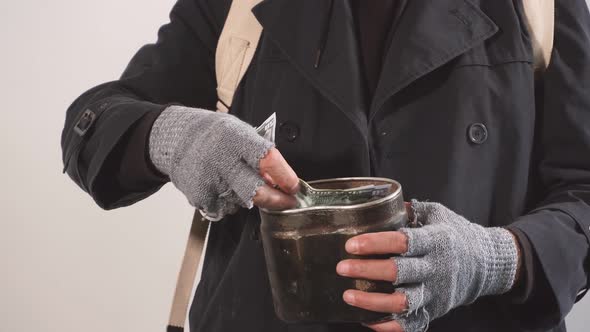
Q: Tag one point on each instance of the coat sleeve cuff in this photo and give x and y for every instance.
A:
(559, 250)
(137, 172)
(110, 164)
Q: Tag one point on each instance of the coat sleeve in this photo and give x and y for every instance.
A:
(559, 227)
(177, 69)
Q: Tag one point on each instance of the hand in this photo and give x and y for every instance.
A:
(219, 162)
(444, 264)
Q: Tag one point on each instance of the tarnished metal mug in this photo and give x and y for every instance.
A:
(303, 246)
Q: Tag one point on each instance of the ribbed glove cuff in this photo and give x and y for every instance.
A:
(501, 261)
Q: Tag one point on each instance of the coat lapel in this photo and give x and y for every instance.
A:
(430, 34)
(296, 26)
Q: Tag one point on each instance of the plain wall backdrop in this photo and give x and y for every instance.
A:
(66, 265)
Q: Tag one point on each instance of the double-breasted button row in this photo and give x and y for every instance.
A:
(477, 133)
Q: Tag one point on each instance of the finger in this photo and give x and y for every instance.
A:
(378, 243)
(371, 269)
(412, 270)
(417, 296)
(391, 326)
(378, 302)
(418, 241)
(273, 199)
(274, 167)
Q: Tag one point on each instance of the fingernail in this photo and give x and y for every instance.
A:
(352, 246)
(348, 297)
(343, 268)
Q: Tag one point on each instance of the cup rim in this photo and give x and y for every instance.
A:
(390, 196)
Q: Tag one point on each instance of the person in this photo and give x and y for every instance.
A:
(439, 95)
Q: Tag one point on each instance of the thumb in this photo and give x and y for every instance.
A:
(275, 170)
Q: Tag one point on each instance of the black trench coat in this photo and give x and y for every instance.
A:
(457, 118)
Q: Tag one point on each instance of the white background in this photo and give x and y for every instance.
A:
(65, 265)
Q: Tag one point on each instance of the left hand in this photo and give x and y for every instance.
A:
(444, 264)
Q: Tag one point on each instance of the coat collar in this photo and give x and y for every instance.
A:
(429, 34)
(296, 26)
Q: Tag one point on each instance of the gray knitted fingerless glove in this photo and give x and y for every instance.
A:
(451, 262)
(211, 157)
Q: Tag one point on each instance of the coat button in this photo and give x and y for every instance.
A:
(477, 133)
(289, 131)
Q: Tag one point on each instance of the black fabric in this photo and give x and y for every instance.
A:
(452, 64)
(136, 172)
(127, 174)
(375, 24)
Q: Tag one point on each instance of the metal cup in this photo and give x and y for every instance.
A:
(303, 246)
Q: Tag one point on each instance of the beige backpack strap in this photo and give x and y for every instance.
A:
(188, 272)
(235, 50)
(540, 16)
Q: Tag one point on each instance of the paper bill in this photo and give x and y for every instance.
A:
(268, 128)
(309, 196)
